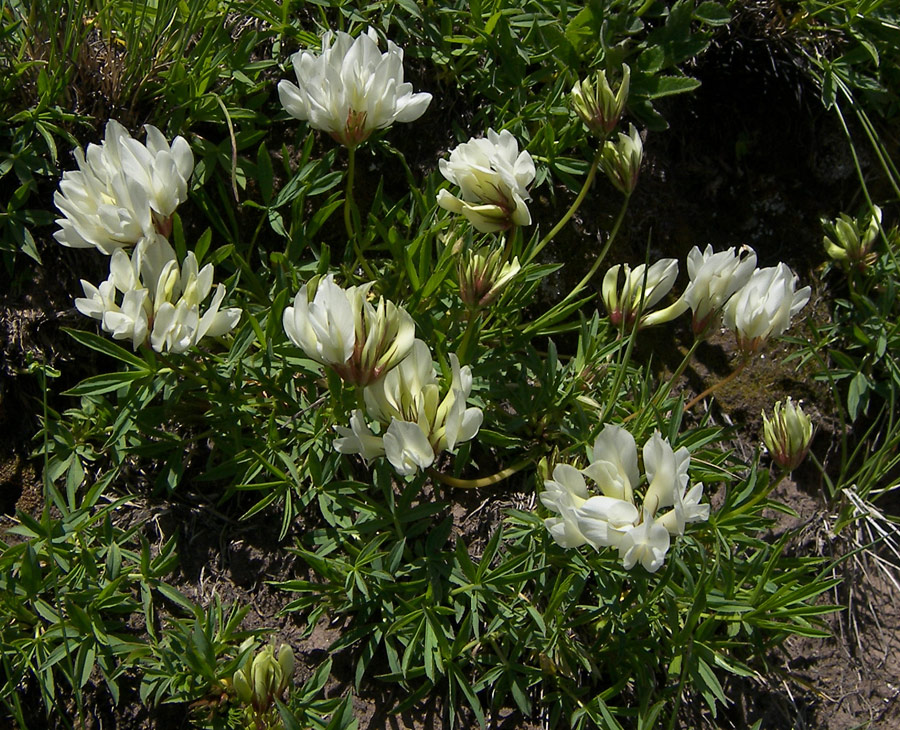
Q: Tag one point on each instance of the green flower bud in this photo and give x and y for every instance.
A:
(265, 677)
(483, 275)
(594, 101)
(242, 687)
(286, 662)
(621, 160)
(787, 434)
(850, 241)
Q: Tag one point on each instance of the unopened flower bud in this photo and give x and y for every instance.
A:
(621, 160)
(850, 241)
(265, 678)
(594, 101)
(483, 275)
(787, 434)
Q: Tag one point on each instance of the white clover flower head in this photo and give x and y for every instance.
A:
(149, 296)
(351, 88)
(417, 421)
(642, 289)
(714, 278)
(764, 306)
(493, 177)
(646, 543)
(342, 329)
(123, 190)
(787, 434)
(612, 518)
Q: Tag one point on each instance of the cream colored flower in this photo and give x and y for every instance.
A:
(418, 417)
(642, 289)
(667, 472)
(493, 177)
(614, 463)
(123, 190)
(714, 278)
(351, 88)
(160, 300)
(764, 306)
(646, 543)
(564, 494)
(341, 328)
(612, 519)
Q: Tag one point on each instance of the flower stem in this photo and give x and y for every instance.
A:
(579, 199)
(759, 497)
(715, 386)
(620, 374)
(548, 316)
(349, 200)
(467, 341)
(352, 218)
(449, 481)
(666, 388)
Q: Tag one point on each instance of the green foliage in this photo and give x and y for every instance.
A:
(248, 421)
(69, 585)
(522, 613)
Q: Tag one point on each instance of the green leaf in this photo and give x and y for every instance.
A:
(103, 345)
(657, 86)
(325, 182)
(106, 382)
(264, 172)
(856, 394)
(651, 60)
(712, 13)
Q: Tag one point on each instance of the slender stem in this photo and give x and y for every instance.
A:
(620, 375)
(666, 388)
(587, 277)
(759, 497)
(349, 200)
(352, 218)
(592, 172)
(471, 330)
(715, 386)
(449, 481)
(234, 185)
(679, 370)
(612, 237)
